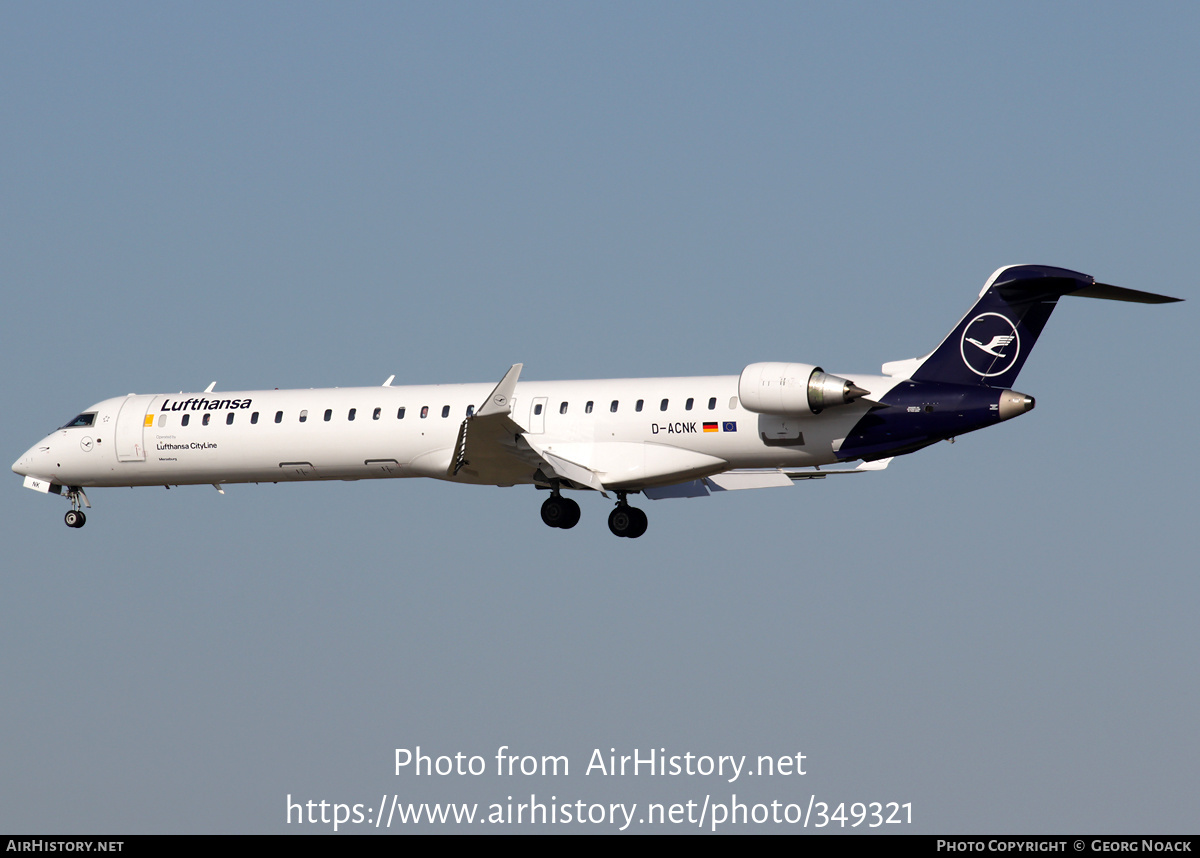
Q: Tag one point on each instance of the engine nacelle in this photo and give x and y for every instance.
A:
(793, 388)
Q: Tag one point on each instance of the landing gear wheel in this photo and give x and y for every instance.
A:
(572, 514)
(561, 512)
(75, 518)
(627, 521)
(640, 523)
(553, 511)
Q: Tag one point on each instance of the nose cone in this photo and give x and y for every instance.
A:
(21, 466)
(31, 459)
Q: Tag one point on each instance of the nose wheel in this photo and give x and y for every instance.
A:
(76, 518)
(627, 521)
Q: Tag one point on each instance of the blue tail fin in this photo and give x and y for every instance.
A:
(989, 346)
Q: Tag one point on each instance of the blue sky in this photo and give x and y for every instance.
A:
(999, 631)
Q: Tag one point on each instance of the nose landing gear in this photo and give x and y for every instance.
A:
(76, 518)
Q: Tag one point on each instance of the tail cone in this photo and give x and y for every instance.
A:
(1013, 404)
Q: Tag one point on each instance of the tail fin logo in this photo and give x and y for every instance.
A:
(994, 344)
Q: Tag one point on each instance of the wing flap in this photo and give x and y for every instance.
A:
(754, 478)
(565, 468)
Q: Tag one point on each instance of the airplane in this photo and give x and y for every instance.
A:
(771, 425)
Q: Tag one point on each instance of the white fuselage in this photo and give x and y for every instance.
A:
(774, 423)
(618, 428)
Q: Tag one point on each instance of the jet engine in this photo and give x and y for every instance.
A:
(793, 388)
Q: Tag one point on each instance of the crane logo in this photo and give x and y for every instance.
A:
(990, 345)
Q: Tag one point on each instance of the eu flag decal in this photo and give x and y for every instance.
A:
(729, 426)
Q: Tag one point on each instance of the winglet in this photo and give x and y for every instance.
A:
(209, 389)
(389, 381)
(499, 401)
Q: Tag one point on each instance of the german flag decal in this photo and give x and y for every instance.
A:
(710, 427)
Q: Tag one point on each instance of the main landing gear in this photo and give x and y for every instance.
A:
(558, 511)
(625, 520)
(76, 518)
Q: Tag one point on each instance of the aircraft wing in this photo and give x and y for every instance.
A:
(566, 469)
(493, 448)
(755, 478)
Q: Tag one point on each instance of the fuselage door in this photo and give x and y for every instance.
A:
(131, 423)
(537, 415)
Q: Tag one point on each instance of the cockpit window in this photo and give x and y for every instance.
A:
(82, 420)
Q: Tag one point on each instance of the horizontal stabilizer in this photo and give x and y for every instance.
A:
(1117, 293)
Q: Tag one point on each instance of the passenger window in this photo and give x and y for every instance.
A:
(638, 406)
(537, 409)
(278, 416)
(424, 411)
(613, 407)
(587, 409)
(303, 416)
(445, 410)
(205, 420)
(162, 420)
(733, 403)
(328, 414)
(688, 405)
(663, 406)
(562, 409)
(470, 410)
(229, 419)
(376, 413)
(254, 418)
(712, 404)
(400, 413)
(183, 421)
(353, 411)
